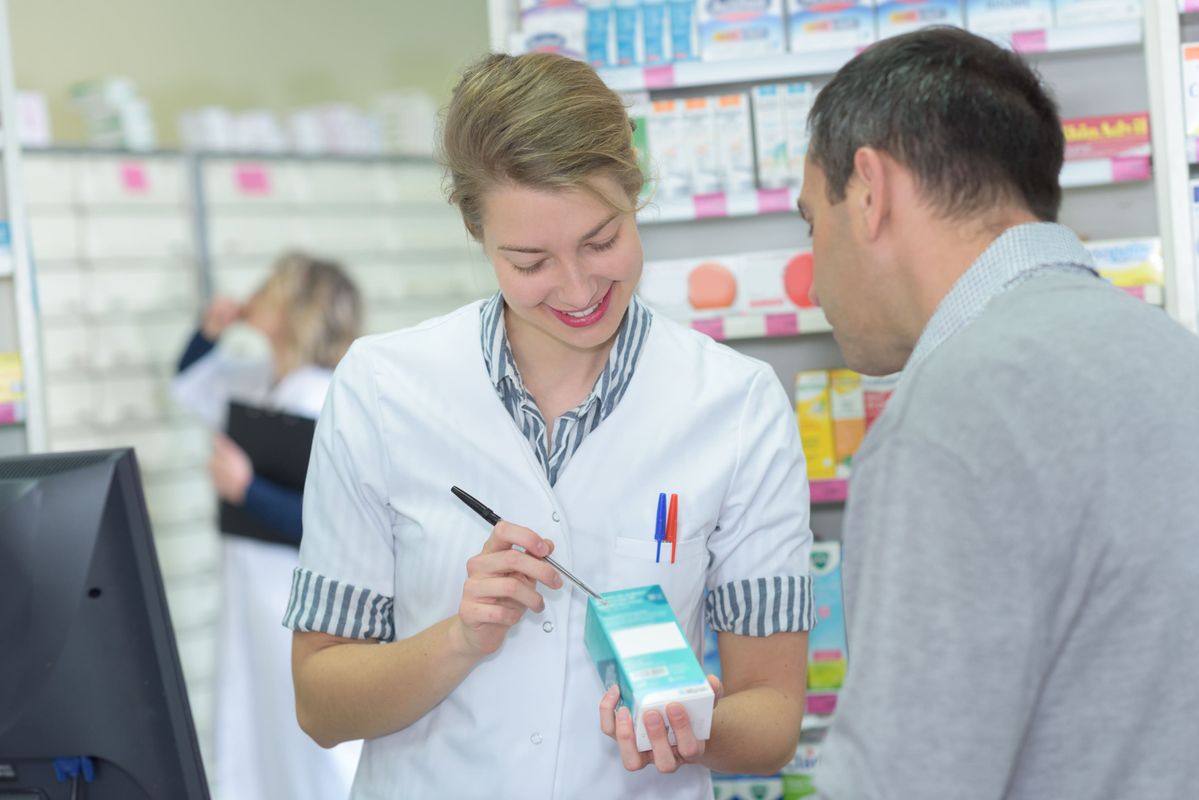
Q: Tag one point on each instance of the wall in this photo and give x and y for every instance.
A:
(273, 53)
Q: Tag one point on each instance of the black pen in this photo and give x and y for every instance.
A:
(493, 518)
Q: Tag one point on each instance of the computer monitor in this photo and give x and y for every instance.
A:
(88, 665)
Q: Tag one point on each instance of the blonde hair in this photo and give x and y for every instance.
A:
(541, 121)
(322, 308)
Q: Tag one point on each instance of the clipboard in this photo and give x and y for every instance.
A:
(278, 446)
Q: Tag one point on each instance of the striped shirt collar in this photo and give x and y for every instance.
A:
(572, 427)
(1016, 255)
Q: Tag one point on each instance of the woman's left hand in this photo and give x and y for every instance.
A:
(618, 724)
(230, 469)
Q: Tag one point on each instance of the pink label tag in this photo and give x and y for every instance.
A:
(1136, 291)
(1030, 41)
(660, 77)
(821, 704)
(830, 491)
(134, 178)
(253, 179)
(8, 413)
(773, 201)
(712, 327)
(710, 205)
(1130, 168)
(1190, 6)
(782, 324)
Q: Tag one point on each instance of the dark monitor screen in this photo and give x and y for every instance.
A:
(88, 665)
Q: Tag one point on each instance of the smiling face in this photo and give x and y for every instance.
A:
(566, 262)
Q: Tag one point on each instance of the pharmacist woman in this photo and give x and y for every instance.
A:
(566, 406)
(308, 311)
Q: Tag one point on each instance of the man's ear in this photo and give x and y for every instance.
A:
(872, 200)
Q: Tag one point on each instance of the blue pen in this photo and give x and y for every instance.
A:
(660, 528)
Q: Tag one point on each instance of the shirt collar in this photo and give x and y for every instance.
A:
(1013, 257)
(501, 366)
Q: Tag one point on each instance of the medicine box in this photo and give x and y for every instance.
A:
(827, 647)
(903, 16)
(816, 25)
(1006, 16)
(1129, 262)
(635, 641)
(1190, 88)
(813, 410)
(1091, 12)
(733, 29)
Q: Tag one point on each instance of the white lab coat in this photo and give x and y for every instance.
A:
(260, 751)
(413, 412)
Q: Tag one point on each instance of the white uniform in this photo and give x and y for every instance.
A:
(412, 413)
(260, 751)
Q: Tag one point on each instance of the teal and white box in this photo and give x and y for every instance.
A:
(1008, 16)
(817, 25)
(902, 16)
(636, 642)
(731, 29)
(1092, 12)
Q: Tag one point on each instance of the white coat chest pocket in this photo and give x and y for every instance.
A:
(636, 562)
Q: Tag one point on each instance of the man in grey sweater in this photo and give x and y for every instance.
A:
(1021, 547)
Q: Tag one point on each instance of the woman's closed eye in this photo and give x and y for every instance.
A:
(529, 268)
(600, 247)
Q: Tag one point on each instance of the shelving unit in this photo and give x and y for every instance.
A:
(18, 310)
(797, 66)
(385, 218)
(1172, 182)
(131, 247)
(1094, 71)
(717, 205)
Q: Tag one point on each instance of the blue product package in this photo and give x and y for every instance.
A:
(655, 46)
(599, 33)
(636, 643)
(683, 45)
(628, 33)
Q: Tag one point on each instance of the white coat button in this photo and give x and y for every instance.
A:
(556, 517)
(535, 738)
(548, 627)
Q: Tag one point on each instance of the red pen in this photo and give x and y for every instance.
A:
(672, 525)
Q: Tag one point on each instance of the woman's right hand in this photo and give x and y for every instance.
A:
(500, 586)
(221, 313)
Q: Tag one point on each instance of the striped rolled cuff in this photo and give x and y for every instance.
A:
(339, 609)
(762, 606)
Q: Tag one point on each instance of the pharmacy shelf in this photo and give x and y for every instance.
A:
(828, 492)
(812, 321)
(759, 326)
(1106, 171)
(796, 66)
(232, 155)
(720, 204)
(717, 205)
